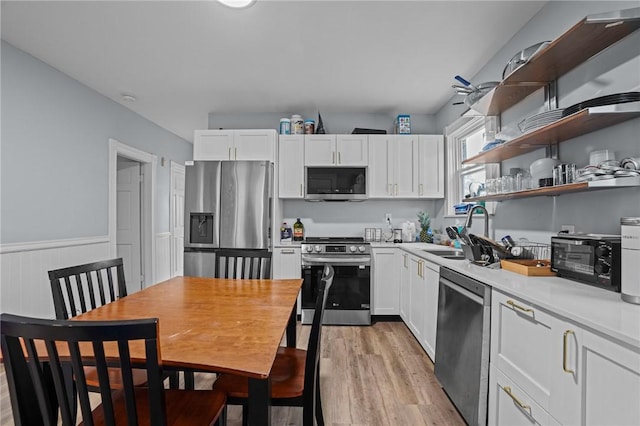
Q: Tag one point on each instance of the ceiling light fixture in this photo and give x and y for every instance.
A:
(237, 4)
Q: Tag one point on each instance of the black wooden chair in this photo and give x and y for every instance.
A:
(79, 289)
(241, 263)
(295, 375)
(37, 392)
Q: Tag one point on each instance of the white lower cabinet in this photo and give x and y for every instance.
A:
(286, 262)
(557, 371)
(405, 290)
(431, 273)
(385, 282)
(419, 299)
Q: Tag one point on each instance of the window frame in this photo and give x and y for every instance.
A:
(454, 135)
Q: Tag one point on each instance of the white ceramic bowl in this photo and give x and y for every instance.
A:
(542, 169)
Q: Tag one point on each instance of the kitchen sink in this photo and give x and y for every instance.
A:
(447, 254)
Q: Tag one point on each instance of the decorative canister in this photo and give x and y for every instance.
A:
(309, 127)
(285, 126)
(297, 125)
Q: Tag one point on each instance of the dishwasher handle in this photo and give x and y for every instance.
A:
(463, 291)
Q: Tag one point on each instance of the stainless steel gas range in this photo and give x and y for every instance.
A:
(349, 300)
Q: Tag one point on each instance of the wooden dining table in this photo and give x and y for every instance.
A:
(230, 326)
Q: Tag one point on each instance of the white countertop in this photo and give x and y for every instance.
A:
(599, 309)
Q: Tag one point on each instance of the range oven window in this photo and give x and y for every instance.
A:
(350, 289)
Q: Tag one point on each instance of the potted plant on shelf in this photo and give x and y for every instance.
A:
(425, 230)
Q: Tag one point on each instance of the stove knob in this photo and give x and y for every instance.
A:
(318, 249)
(352, 249)
(361, 249)
(602, 267)
(309, 249)
(602, 251)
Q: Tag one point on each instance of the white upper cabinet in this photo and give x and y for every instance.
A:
(406, 166)
(431, 166)
(255, 144)
(291, 166)
(336, 150)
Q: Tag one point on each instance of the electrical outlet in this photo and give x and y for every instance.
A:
(387, 218)
(570, 228)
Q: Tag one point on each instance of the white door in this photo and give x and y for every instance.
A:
(291, 166)
(177, 218)
(406, 166)
(379, 179)
(128, 222)
(431, 166)
(213, 145)
(256, 145)
(352, 150)
(320, 150)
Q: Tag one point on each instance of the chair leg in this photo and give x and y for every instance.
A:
(245, 415)
(222, 419)
(319, 414)
(174, 380)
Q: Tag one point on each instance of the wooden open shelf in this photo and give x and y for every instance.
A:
(549, 191)
(580, 123)
(588, 37)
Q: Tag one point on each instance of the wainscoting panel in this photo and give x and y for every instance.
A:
(163, 256)
(24, 283)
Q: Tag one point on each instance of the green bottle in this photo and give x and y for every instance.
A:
(298, 231)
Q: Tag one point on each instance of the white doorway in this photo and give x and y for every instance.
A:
(147, 164)
(176, 218)
(129, 221)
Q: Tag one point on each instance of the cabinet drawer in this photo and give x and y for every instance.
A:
(521, 338)
(509, 405)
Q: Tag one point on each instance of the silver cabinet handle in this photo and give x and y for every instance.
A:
(230, 153)
(235, 153)
(390, 189)
(287, 251)
(420, 189)
(339, 160)
(333, 158)
(301, 190)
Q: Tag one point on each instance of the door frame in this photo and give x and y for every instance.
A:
(148, 164)
(176, 168)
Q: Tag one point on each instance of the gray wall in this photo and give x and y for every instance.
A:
(615, 70)
(54, 165)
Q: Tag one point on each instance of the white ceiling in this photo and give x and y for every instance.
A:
(185, 59)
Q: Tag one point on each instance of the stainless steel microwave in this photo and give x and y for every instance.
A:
(336, 183)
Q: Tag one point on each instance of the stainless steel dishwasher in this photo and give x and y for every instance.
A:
(462, 343)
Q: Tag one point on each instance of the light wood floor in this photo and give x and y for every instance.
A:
(370, 376)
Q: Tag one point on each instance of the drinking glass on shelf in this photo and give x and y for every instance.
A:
(490, 185)
(523, 181)
(506, 184)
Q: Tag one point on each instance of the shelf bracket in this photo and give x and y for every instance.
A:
(551, 95)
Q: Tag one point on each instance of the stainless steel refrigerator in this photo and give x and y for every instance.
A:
(228, 204)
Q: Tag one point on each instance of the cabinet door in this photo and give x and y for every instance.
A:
(509, 405)
(405, 289)
(431, 282)
(291, 166)
(379, 180)
(254, 144)
(521, 341)
(431, 166)
(418, 295)
(405, 166)
(286, 262)
(213, 145)
(597, 382)
(352, 150)
(386, 289)
(320, 150)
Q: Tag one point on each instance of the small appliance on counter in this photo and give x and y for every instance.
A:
(630, 227)
(588, 258)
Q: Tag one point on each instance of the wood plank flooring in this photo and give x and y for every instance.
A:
(370, 376)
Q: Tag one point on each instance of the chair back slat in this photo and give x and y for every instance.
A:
(28, 380)
(243, 263)
(81, 288)
(312, 361)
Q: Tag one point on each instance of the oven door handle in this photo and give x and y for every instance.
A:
(348, 261)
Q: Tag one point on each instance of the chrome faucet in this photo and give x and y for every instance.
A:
(467, 224)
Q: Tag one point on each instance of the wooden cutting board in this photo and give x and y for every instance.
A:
(528, 267)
